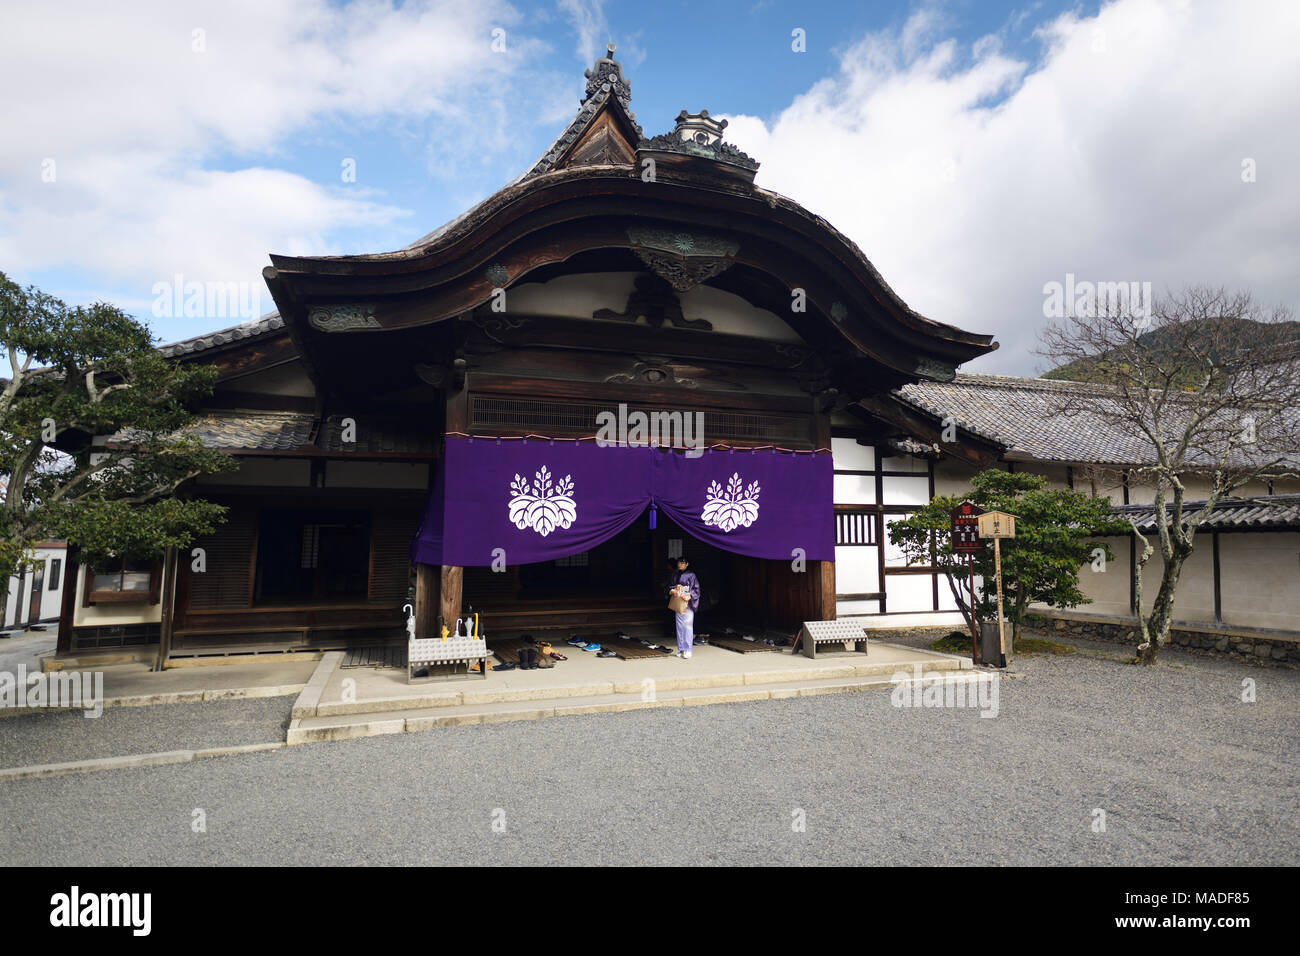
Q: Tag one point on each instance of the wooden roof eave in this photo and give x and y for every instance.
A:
(505, 223)
(970, 448)
(508, 204)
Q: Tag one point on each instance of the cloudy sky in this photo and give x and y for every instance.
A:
(974, 150)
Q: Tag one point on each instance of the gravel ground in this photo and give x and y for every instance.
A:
(61, 736)
(1185, 771)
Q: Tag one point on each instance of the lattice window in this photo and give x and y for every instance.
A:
(855, 528)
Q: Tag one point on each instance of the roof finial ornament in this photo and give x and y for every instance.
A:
(699, 135)
(607, 74)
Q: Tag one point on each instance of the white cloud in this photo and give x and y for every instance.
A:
(1118, 157)
(164, 121)
(588, 19)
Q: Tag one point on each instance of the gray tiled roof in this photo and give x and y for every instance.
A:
(271, 322)
(265, 431)
(376, 436)
(1230, 514)
(573, 132)
(1021, 414)
(1025, 416)
(254, 430)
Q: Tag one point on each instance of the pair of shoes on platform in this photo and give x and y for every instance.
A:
(684, 655)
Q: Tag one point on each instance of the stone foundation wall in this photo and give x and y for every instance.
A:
(1244, 646)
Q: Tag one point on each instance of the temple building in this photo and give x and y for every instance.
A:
(629, 353)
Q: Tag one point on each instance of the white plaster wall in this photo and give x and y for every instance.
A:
(578, 296)
(893, 555)
(951, 619)
(848, 455)
(906, 491)
(17, 604)
(1260, 579)
(1259, 583)
(1194, 599)
(857, 569)
(908, 592)
(946, 601)
(851, 608)
(1109, 589)
(52, 601)
(952, 477)
(906, 463)
(854, 489)
(1055, 474)
(1144, 494)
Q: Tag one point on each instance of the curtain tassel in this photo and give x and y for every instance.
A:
(654, 516)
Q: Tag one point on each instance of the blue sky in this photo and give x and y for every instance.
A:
(974, 150)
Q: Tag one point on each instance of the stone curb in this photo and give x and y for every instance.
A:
(309, 699)
(133, 760)
(171, 697)
(964, 663)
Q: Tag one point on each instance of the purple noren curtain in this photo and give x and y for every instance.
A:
(536, 500)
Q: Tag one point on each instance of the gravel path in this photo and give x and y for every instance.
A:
(61, 736)
(1185, 771)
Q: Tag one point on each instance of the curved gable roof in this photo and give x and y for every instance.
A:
(701, 219)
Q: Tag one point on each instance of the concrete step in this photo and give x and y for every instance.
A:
(312, 706)
(443, 714)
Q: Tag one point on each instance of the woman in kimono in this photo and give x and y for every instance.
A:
(686, 580)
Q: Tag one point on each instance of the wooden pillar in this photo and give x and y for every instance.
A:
(168, 607)
(456, 418)
(825, 584)
(1133, 575)
(20, 606)
(452, 582)
(1218, 579)
(427, 591)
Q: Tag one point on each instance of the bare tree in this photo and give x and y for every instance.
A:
(1203, 383)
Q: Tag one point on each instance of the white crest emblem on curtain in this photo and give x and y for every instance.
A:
(731, 509)
(543, 506)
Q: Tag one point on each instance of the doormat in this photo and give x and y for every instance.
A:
(628, 649)
(508, 651)
(742, 646)
(394, 656)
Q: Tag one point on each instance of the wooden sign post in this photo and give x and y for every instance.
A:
(998, 525)
(966, 540)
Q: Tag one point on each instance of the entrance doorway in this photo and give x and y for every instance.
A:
(38, 589)
(623, 584)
